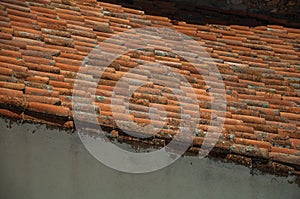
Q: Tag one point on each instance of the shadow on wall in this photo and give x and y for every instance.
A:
(223, 12)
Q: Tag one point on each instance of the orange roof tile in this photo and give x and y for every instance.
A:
(43, 45)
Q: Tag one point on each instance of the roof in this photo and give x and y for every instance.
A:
(43, 44)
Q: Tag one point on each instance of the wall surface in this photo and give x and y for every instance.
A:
(39, 163)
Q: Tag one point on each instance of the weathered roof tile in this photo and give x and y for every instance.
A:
(43, 45)
(48, 109)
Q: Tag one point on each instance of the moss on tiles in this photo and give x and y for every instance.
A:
(100, 98)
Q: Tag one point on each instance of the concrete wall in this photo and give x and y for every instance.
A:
(39, 163)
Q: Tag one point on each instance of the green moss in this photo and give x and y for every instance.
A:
(266, 105)
(100, 98)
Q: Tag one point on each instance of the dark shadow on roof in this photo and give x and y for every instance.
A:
(254, 15)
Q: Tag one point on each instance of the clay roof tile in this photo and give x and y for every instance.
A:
(44, 43)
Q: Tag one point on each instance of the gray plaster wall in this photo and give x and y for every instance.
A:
(39, 163)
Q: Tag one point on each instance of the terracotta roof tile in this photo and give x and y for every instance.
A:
(48, 109)
(6, 71)
(11, 60)
(11, 93)
(12, 4)
(22, 19)
(285, 151)
(10, 99)
(20, 13)
(38, 60)
(27, 41)
(10, 85)
(58, 40)
(44, 43)
(25, 33)
(25, 25)
(33, 53)
(5, 36)
(41, 92)
(10, 78)
(10, 114)
(6, 30)
(10, 53)
(282, 157)
(56, 32)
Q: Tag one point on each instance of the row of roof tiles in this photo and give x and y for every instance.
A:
(43, 44)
